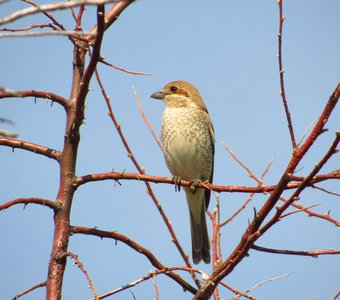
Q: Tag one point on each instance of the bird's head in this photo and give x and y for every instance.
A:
(180, 94)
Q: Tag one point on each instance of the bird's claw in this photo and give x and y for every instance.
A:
(176, 180)
(194, 185)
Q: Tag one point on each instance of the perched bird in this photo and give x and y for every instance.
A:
(188, 142)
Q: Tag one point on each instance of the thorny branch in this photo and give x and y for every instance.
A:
(45, 151)
(282, 83)
(43, 202)
(37, 94)
(314, 254)
(82, 268)
(42, 284)
(137, 247)
(251, 234)
(50, 7)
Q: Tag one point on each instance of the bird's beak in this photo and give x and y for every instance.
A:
(158, 95)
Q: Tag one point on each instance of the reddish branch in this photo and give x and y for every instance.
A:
(114, 13)
(251, 234)
(122, 69)
(214, 187)
(47, 14)
(45, 151)
(139, 248)
(303, 185)
(282, 83)
(49, 25)
(37, 94)
(42, 284)
(82, 268)
(43, 202)
(55, 6)
(314, 254)
(74, 120)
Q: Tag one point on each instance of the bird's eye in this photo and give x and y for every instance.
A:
(173, 88)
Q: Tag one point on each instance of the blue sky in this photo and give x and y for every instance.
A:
(228, 49)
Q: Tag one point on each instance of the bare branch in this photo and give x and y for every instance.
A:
(114, 13)
(146, 120)
(51, 7)
(237, 292)
(29, 290)
(303, 185)
(45, 151)
(251, 174)
(266, 281)
(82, 268)
(282, 83)
(40, 201)
(8, 134)
(47, 14)
(36, 94)
(325, 190)
(101, 60)
(185, 183)
(151, 274)
(137, 247)
(314, 254)
(29, 27)
(252, 233)
(74, 34)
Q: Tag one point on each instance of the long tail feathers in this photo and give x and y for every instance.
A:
(199, 232)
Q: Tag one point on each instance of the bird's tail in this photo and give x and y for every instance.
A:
(199, 232)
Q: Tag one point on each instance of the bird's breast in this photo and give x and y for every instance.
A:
(187, 143)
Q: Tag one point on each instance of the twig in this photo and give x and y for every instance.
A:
(8, 134)
(146, 120)
(324, 190)
(29, 290)
(47, 14)
(32, 200)
(268, 280)
(50, 7)
(314, 254)
(237, 292)
(151, 274)
(36, 94)
(156, 287)
(74, 34)
(336, 296)
(250, 197)
(306, 131)
(251, 174)
(45, 151)
(114, 12)
(82, 268)
(304, 183)
(29, 27)
(252, 232)
(4, 120)
(282, 83)
(310, 213)
(137, 247)
(298, 210)
(101, 60)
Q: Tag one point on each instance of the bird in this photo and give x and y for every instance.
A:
(188, 139)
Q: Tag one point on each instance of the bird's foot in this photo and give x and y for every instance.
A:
(194, 185)
(176, 180)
